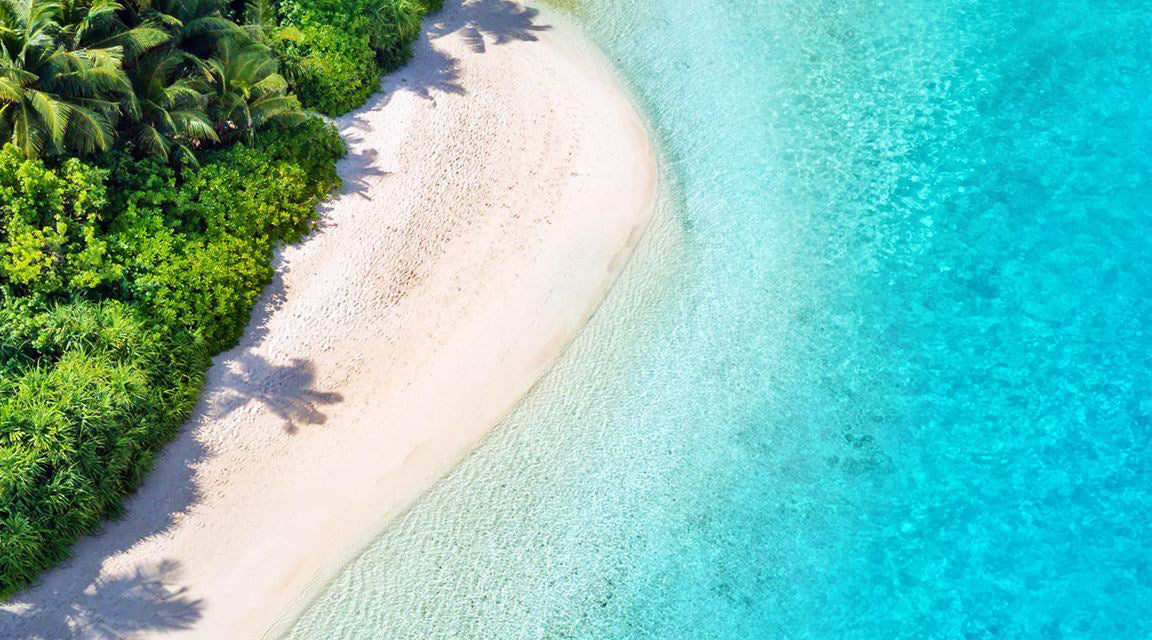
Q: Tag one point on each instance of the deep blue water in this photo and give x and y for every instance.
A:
(886, 372)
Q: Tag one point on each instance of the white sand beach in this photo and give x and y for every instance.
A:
(493, 190)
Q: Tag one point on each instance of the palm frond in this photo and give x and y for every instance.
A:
(135, 41)
(194, 125)
(52, 112)
(212, 25)
(185, 155)
(90, 130)
(151, 141)
(25, 133)
(10, 91)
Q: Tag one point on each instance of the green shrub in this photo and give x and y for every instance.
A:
(49, 240)
(97, 391)
(94, 379)
(331, 71)
(392, 28)
(344, 45)
(199, 260)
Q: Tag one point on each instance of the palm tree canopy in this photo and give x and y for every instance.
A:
(247, 90)
(166, 76)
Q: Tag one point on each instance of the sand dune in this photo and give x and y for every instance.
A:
(494, 188)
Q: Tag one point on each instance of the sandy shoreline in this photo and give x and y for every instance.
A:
(494, 189)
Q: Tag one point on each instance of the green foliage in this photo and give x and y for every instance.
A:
(331, 70)
(245, 91)
(122, 270)
(392, 28)
(232, 212)
(166, 76)
(49, 240)
(118, 282)
(89, 391)
(55, 92)
(344, 46)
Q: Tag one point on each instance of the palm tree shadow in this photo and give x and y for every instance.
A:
(243, 377)
(110, 608)
(430, 71)
(480, 23)
(285, 390)
(358, 170)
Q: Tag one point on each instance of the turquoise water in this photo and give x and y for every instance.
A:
(885, 371)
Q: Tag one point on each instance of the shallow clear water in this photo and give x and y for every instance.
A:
(885, 372)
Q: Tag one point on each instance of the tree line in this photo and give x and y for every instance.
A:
(164, 77)
(153, 153)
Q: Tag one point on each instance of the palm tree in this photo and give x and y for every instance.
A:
(167, 111)
(172, 81)
(100, 24)
(54, 98)
(246, 91)
(195, 26)
(169, 74)
(261, 25)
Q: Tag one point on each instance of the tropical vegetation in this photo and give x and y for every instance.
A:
(154, 153)
(335, 50)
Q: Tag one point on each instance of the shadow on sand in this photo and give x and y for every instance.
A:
(78, 599)
(244, 378)
(500, 21)
(109, 609)
(481, 23)
(285, 390)
(431, 71)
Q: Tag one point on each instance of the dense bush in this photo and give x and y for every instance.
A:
(332, 70)
(49, 241)
(341, 47)
(114, 292)
(88, 393)
(231, 212)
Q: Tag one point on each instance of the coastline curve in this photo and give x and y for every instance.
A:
(492, 189)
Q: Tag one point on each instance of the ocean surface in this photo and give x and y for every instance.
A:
(884, 371)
